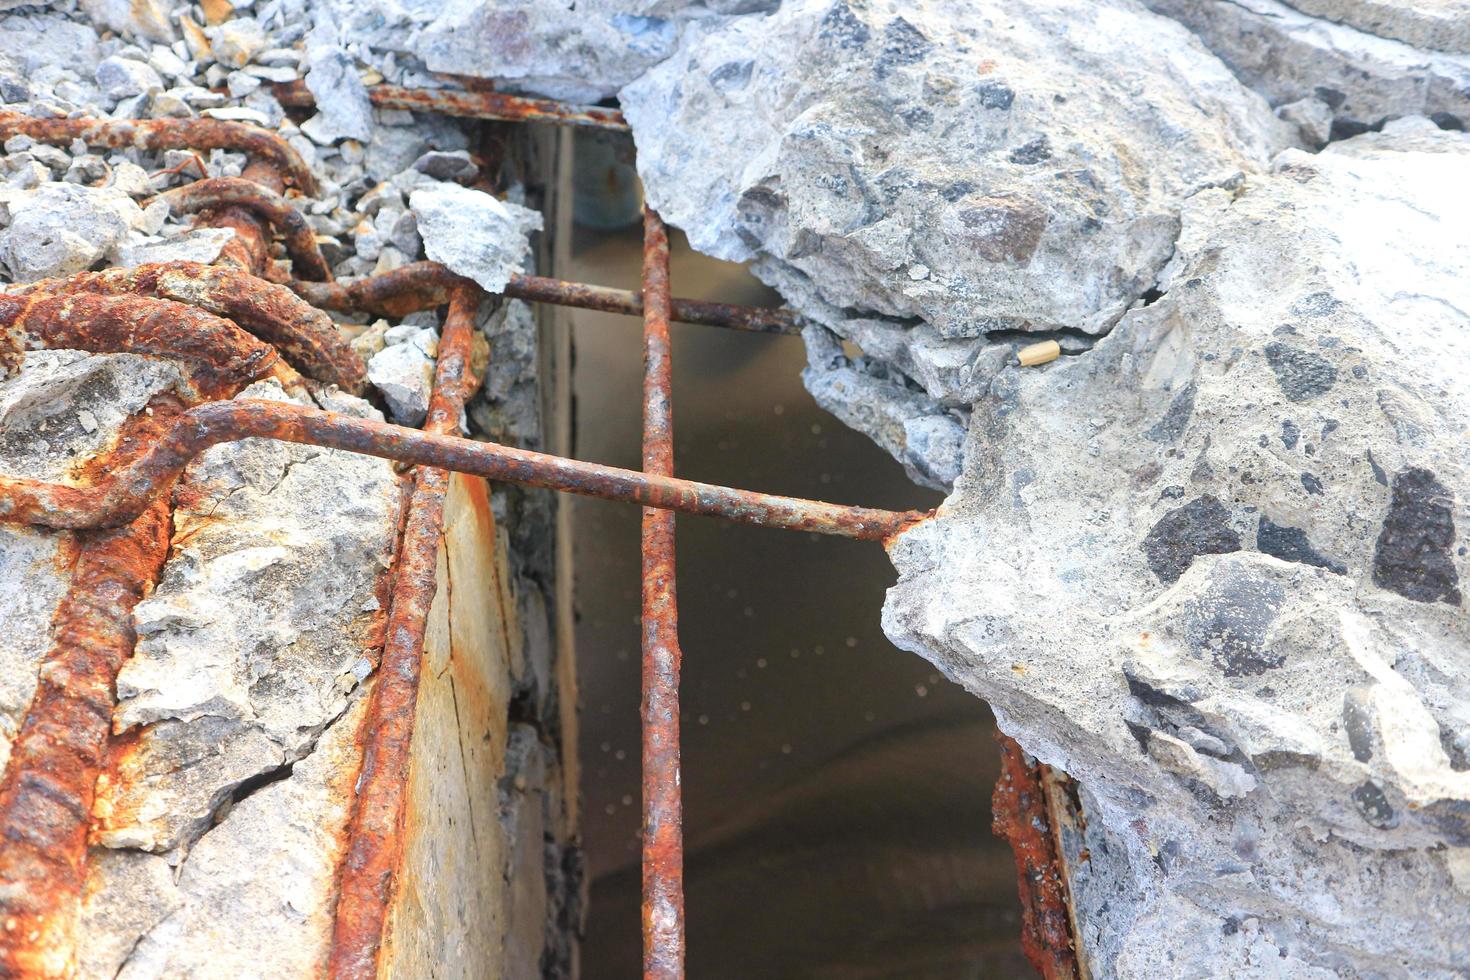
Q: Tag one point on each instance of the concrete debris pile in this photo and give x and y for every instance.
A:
(230, 761)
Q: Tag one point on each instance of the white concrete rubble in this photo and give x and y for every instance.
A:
(472, 233)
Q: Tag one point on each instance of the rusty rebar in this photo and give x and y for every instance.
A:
(166, 134)
(375, 835)
(422, 285)
(305, 336)
(1020, 816)
(218, 192)
(220, 357)
(126, 491)
(663, 811)
(496, 106)
(50, 780)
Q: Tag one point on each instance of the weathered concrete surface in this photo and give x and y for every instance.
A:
(1214, 568)
(261, 626)
(1358, 68)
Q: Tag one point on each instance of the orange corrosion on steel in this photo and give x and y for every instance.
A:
(220, 357)
(167, 134)
(290, 224)
(50, 780)
(469, 105)
(421, 285)
(375, 835)
(304, 335)
(663, 812)
(1020, 817)
(128, 489)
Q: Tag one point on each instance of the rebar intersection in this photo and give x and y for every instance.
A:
(195, 313)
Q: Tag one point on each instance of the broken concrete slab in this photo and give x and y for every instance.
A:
(993, 166)
(581, 52)
(1364, 78)
(1214, 569)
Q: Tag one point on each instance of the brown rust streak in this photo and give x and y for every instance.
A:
(260, 201)
(375, 836)
(167, 134)
(47, 790)
(1020, 817)
(220, 356)
(470, 105)
(421, 285)
(663, 816)
(128, 489)
(304, 335)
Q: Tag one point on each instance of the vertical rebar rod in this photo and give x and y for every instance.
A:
(375, 837)
(663, 833)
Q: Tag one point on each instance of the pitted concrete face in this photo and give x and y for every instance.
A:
(1214, 569)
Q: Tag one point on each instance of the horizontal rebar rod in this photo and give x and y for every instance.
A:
(124, 494)
(469, 105)
(422, 285)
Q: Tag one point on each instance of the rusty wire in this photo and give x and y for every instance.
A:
(220, 357)
(304, 335)
(375, 835)
(422, 285)
(166, 134)
(495, 106)
(663, 811)
(218, 192)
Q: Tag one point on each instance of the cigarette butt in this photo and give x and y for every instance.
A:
(1034, 354)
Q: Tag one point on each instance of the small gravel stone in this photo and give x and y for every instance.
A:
(455, 165)
(121, 78)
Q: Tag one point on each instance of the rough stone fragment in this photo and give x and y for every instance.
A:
(120, 78)
(31, 44)
(982, 167)
(344, 111)
(148, 19)
(582, 51)
(237, 41)
(1211, 569)
(249, 646)
(916, 430)
(61, 228)
(441, 165)
(1288, 55)
(194, 245)
(403, 373)
(474, 234)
